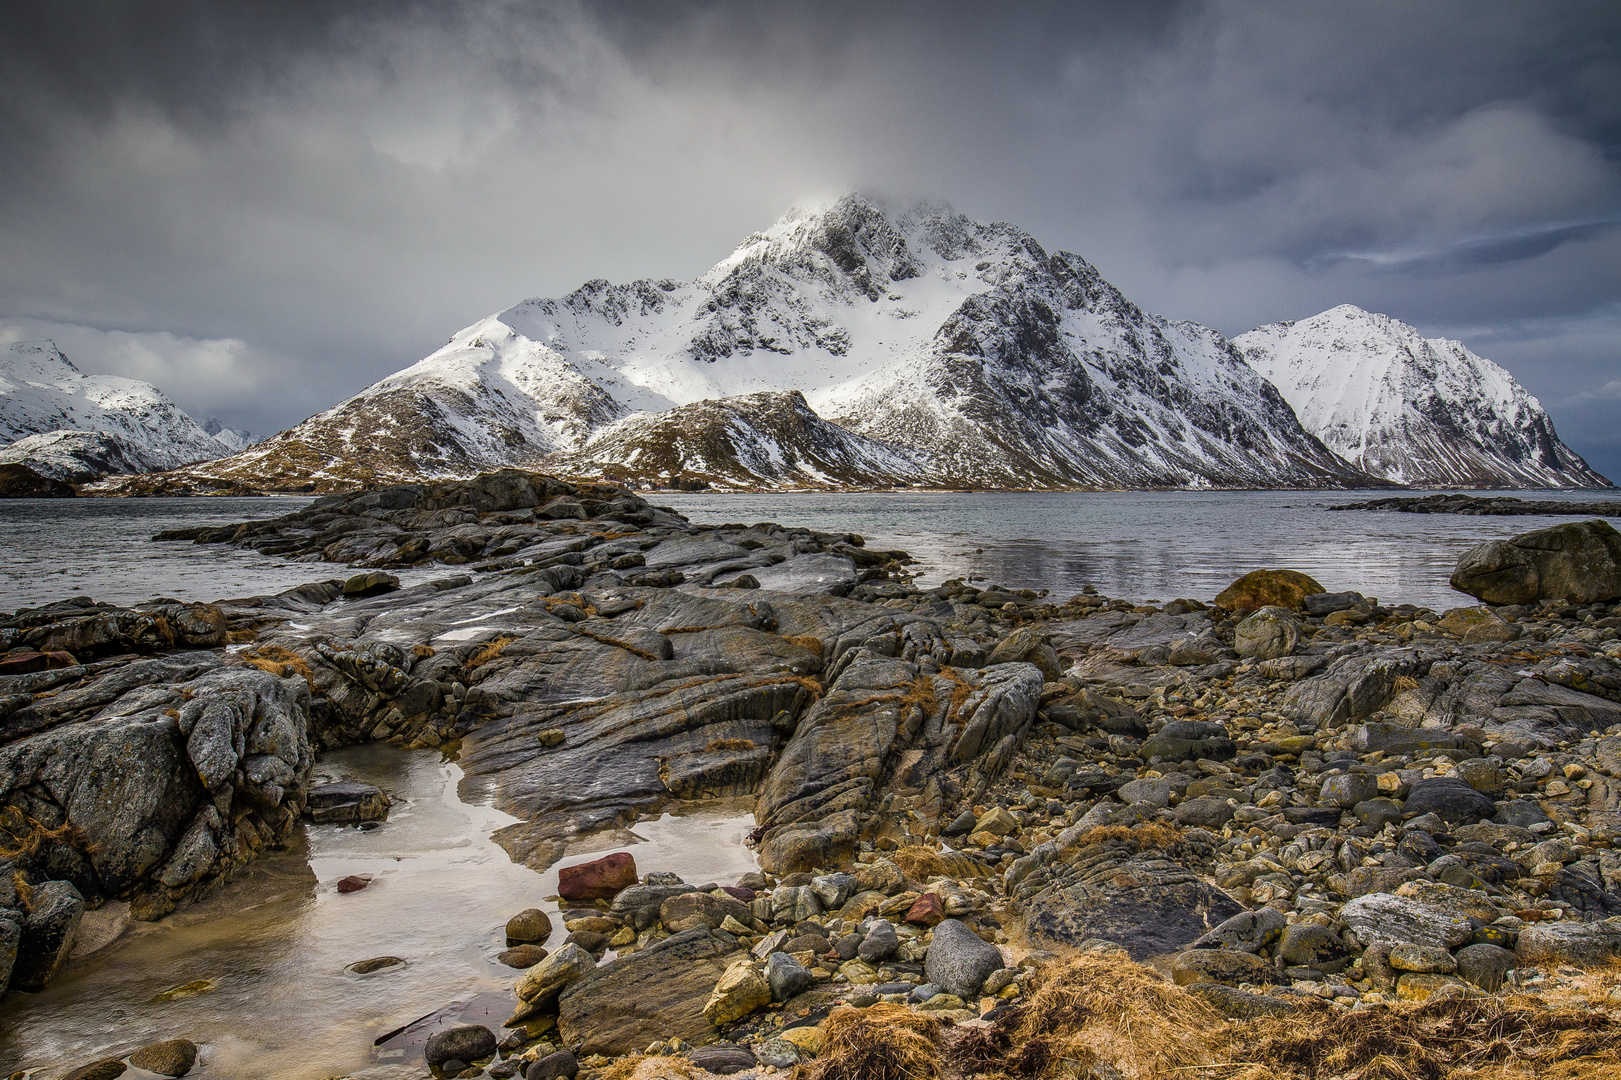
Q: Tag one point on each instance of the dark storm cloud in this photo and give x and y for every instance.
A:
(265, 206)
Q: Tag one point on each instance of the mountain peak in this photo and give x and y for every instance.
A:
(1427, 412)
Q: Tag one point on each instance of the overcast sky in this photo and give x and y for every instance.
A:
(265, 206)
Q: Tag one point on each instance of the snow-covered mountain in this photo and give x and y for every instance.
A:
(54, 407)
(1424, 412)
(962, 353)
(234, 439)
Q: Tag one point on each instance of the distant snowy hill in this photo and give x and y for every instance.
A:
(1423, 412)
(54, 408)
(946, 351)
(234, 439)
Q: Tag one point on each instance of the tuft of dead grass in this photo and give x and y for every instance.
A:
(1103, 1009)
(1448, 1039)
(716, 745)
(490, 651)
(280, 662)
(881, 1042)
(22, 835)
(651, 1067)
(920, 863)
(1154, 834)
(809, 642)
(422, 652)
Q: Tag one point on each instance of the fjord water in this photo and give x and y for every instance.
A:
(269, 950)
(1141, 545)
(1146, 545)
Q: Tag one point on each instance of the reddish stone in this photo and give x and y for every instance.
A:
(354, 883)
(602, 879)
(738, 893)
(25, 663)
(927, 911)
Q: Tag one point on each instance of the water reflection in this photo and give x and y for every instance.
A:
(1146, 544)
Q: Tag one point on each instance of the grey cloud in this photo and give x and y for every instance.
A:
(339, 186)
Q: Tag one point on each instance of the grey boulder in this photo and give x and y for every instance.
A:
(959, 960)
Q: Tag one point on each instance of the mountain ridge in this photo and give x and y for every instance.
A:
(1426, 412)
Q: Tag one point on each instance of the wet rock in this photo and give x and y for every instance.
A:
(47, 935)
(106, 1069)
(654, 994)
(376, 963)
(1485, 965)
(346, 803)
(374, 583)
(959, 960)
(521, 956)
(1267, 588)
(1221, 966)
(600, 879)
(1450, 799)
(531, 926)
(174, 1057)
(786, 976)
(1267, 634)
(559, 1066)
(1570, 943)
(1579, 561)
(469, 1042)
(353, 883)
(548, 978)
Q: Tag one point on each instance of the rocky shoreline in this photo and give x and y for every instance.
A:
(974, 804)
(1485, 506)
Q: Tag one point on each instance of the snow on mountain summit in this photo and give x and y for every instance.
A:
(1417, 411)
(951, 352)
(47, 407)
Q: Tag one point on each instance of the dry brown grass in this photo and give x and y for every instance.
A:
(716, 745)
(280, 662)
(245, 636)
(490, 651)
(651, 1067)
(920, 863)
(21, 835)
(25, 891)
(422, 652)
(881, 1042)
(1154, 834)
(808, 642)
(1096, 1009)
(1450, 1039)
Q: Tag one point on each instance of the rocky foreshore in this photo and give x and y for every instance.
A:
(1486, 506)
(1284, 830)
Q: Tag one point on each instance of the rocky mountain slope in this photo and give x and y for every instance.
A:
(69, 425)
(1426, 412)
(963, 353)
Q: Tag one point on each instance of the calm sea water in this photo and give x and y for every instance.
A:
(1146, 545)
(1140, 545)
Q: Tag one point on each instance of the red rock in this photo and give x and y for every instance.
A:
(22, 663)
(354, 883)
(602, 879)
(737, 892)
(927, 911)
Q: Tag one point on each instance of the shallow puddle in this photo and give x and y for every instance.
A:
(256, 973)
